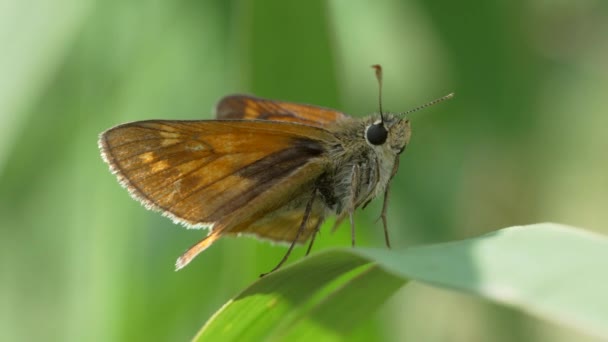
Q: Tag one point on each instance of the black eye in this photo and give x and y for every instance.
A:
(376, 134)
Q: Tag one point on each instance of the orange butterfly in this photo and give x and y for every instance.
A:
(271, 169)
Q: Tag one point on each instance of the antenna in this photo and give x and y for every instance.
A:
(443, 98)
(378, 69)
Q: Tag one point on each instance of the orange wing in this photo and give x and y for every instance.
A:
(230, 176)
(246, 107)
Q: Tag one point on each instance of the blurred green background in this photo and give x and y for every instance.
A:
(525, 140)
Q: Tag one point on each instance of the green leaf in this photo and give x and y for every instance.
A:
(552, 271)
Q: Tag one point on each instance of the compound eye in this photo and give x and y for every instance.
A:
(376, 134)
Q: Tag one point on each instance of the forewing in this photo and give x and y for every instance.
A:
(246, 107)
(210, 173)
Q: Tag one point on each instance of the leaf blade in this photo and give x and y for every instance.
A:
(551, 271)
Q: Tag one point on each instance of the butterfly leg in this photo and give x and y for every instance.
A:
(314, 235)
(383, 217)
(338, 221)
(354, 186)
(385, 204)
(305, 218)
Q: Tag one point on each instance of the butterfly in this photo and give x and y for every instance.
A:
(271, 169)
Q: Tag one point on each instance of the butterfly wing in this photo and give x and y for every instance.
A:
(229, 176)
(282, 223)
(197, 172)
(246, 107)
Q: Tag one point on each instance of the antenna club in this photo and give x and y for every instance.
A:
(378, 69)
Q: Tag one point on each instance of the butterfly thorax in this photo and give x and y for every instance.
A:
(360, 170)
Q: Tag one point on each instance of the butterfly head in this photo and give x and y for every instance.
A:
(390, 131)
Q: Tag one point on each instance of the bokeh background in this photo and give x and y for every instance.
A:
(525, 140)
